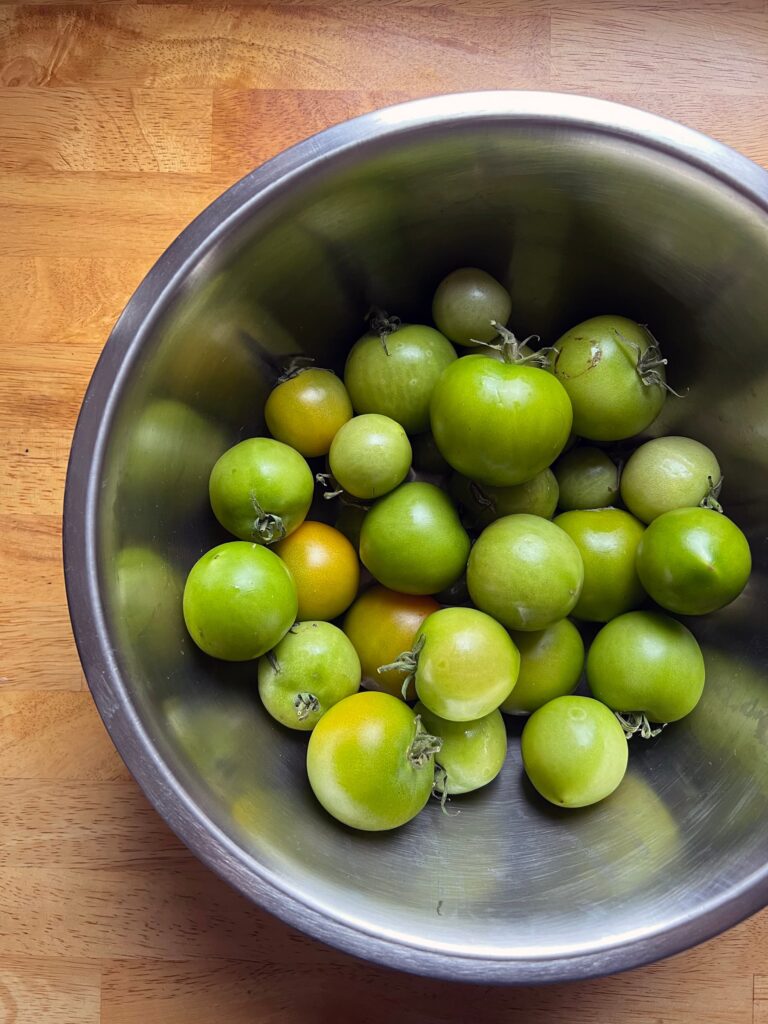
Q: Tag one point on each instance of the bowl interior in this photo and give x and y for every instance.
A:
(576, 221)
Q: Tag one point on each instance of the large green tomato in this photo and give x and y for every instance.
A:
(485, 504)
(550, 666)
(370, 455)
(412, 540)
(613, 372)
(574, 751)
(395, 375)
(607, 539)
(467, 302)
(667, 473)
(239, 601)
(646, 664)
(465, 664)
(472, 753)
(693, 561)
(525, 572)
(261, 490)
(587, 478)
(499, 423)
(312, 668)
(370, 762)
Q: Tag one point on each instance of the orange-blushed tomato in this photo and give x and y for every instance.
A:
(307, 410)
(324, 567)
(381, 624)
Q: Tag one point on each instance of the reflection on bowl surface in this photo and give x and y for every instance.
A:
(579, 208)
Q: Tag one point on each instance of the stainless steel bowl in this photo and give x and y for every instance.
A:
(581, 207)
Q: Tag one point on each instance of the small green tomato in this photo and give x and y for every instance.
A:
(587, 478)
(574, 751)
(485, 504)
(472, 754)
(667, 473)
(465, 303)
(370, 455)
(312, 668)
(551, 662)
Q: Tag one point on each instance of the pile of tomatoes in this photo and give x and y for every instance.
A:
(445, 473)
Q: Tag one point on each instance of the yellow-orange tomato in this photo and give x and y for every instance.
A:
(324, 567)
(381, 625)
(305, 411)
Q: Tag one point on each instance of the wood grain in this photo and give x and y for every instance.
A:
(119, 122)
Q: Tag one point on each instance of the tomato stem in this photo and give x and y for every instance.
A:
(267, 528)
(650, 362)
(272, 659)
(423, 746)
(710, 499)
(381, 323)
(406, 662)
(633, 722)
(440, 790)
(512, 350)
(305, 704)
(295, 366)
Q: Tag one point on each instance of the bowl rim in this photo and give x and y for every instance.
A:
(161, 286)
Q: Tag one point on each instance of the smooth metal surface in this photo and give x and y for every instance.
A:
(581, 207)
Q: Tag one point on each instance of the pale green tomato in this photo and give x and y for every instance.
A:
(667, 473)
(612, 370)
(465, 304)
(646, 663)
(396, 376)
(551, 662)
(465, 664)
(574, 751)
(370, 763)
(587, 478)
(472, 754)
(525, 571)
(607, 539)
(370, 455)
(312, 668)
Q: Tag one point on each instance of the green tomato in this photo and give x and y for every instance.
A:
(239, 601)
(472, 754)
(646, 664)
(370, 763)
(551, 662)
(396, 376)
(312, 668)
(261, 490)
(693, 561)
(412, 540)
(465, 303)
(370, 455)
(526, 572)
(574, 751)
(607, 539)
(465, 664)
(667, 473)
(486, 504)
(499, 423)
(611, 368)
(587, 478)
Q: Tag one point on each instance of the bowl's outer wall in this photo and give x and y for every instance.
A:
(580, 207)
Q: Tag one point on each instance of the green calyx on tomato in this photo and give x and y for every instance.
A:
(499, 423)
(472, 753)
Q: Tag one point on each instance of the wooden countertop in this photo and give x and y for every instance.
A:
(119, 121)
